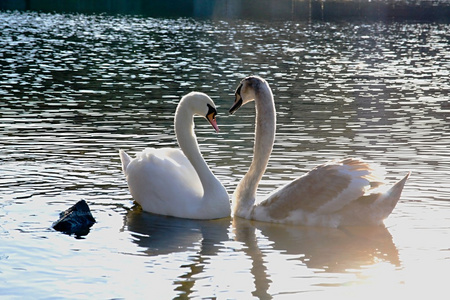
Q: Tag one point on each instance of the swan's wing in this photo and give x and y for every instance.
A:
(157, 176)
(325, 189)
(182, 169)
(172, 168)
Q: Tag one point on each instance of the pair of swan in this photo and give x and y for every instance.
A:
(179, 183)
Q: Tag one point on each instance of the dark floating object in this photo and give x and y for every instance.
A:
(75, 220)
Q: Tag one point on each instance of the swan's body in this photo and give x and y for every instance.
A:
(339, 193)
(176, 182)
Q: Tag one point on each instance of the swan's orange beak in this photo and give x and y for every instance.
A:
(212, 119)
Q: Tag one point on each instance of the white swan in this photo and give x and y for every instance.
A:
(339, 193)
(176, 182)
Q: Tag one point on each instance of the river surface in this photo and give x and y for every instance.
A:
(74, 89)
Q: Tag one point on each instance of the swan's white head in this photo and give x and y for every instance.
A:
(200, 104)
(246, 91)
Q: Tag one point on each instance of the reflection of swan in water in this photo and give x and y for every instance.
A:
(340, 193)
(176, 182)
(319, 248)
(162, 235)
(157, 234)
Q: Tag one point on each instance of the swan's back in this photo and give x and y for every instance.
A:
(163, 181)
(328, 196)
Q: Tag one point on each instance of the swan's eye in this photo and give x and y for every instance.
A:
(211, 111)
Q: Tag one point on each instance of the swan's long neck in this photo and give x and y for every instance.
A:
(184, 131)
(245, 194)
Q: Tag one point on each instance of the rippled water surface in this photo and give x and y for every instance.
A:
(74, 89)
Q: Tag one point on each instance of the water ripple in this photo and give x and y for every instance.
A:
(77, 88)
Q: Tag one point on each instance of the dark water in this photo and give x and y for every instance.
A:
(381, 10)
(74, 89)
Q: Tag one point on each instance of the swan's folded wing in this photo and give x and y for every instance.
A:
(184, 170)
(325, 189)
(163, 174)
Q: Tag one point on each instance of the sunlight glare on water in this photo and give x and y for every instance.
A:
(76, 88)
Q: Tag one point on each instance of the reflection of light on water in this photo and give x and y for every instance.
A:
(76, 88)
(383, 280)
(378, 278)
(224, 280)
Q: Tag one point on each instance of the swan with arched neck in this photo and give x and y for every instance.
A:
(178, 182)
(339, 193)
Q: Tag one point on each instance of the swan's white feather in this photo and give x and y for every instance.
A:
(167, 178)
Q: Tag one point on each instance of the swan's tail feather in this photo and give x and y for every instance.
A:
(396, 190)
(390, 198)
(125, 158)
